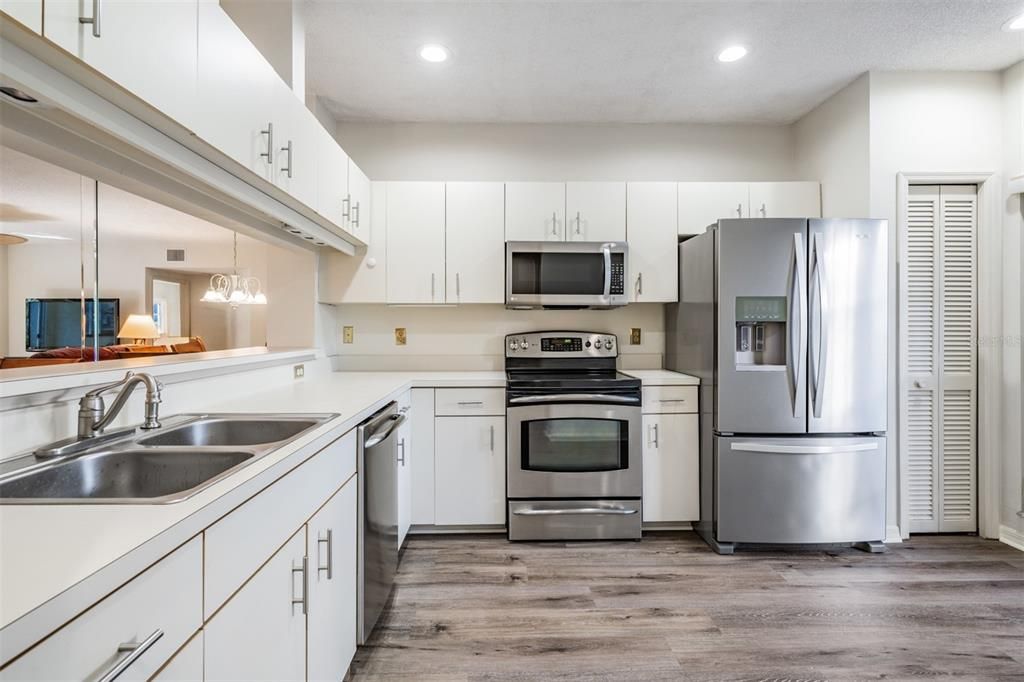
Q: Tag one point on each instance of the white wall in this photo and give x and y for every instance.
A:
(4, 314)
(291, 276)
(925, 122)
(277, 29)
(472, 336)
(426, 151)
(1013, 305)
(832, 146)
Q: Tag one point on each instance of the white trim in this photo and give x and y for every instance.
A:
(1016, 184)
(1011, 537)
(892, 535)
(990, 357)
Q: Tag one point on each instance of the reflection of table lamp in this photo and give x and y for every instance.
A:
(141, 328)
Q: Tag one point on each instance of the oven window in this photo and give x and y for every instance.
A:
(575, 445)
(568, 274)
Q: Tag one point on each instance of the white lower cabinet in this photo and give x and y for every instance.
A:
(671, 468)
(158, 609)
(331, 618)
(260, 633)
(405, 467)
(469, 460)
(187, 664)
(422, 457)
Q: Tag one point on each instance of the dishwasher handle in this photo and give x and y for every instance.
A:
(385, 431)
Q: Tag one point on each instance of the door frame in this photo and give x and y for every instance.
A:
(180, 278)
(990, 357)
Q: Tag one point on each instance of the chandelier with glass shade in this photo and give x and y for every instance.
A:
(235, 289)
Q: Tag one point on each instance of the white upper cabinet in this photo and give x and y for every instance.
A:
(332, 200)
(475, 243)
(651, 232)
(361, 278)
(236, 89)
(595, 211)
(785, 200)
(704, 203)
(535, 211)
(27, 12)
(415, 242)
(148, 48)
(295, 141)
(360, 196)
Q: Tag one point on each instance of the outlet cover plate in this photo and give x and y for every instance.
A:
(400, 336)
(634, 336)
(299, 371)
(347, 334)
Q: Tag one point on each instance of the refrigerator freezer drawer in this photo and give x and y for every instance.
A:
(800, 490)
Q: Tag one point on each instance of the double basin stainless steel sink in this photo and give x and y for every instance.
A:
(159, 466)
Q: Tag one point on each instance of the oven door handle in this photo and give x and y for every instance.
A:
(583, 511)
(574, 397)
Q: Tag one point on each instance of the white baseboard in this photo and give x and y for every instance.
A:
(893, 535)
(1012, 537)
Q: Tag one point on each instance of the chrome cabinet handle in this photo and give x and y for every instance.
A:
(97, 13)
(458, 286)
(492, 438)
(433, 277)
(764, 211)
(134, 652)
(577, 222)
(554, 223)
(355, 214)
(401, 444)
(329, 541)
(739, 210)
(640, 284)
(346, 206)
(468, 403)
(616, 511)
(654, 428)
(287, 170)
(304, 570)
(269, 154)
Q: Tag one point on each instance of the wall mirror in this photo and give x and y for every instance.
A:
(90, 272)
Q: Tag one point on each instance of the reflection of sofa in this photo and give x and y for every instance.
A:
(62, 356)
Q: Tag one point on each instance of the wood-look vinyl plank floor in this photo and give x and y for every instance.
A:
(478, 608)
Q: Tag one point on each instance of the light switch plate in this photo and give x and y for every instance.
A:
(347, 333)
(299, 371)
(634, 336)
(399, 336)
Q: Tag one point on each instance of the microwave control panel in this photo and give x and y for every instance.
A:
(618, 284)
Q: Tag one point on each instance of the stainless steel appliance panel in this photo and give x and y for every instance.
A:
(800, 490)
(378, 511)
(767, 259)
(848, 325)
(584, 448)
(570, 274)
(595, 519)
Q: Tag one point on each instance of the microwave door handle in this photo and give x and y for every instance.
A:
(607, 250)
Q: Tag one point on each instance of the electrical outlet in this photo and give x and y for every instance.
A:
(399, 336)
(347, 333)
(634, 336)
(299, 371)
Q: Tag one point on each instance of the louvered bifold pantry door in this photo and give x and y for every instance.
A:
(938, 328)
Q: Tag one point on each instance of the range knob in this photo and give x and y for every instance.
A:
(609, 342)
(513, 345)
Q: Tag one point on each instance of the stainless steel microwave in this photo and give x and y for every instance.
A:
(566, 274)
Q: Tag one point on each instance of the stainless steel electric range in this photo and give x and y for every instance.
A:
(574, 462)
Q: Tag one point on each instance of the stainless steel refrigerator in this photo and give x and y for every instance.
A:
(785, 322)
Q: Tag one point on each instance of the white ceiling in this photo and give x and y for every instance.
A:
(633, 61)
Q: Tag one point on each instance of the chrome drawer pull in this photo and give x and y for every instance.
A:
(468, 403)
(134, 652)
(615, 511)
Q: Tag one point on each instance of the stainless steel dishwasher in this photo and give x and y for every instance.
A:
(378, 514)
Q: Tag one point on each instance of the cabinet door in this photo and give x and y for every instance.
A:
(332, 200)
(475, 242)
(595, 211)
(651, 228)
(331, 622)
(405, 468)
(235, 93)
(704, 203)
(415, 243)
(535, 211)
(469, 456)
(361, 278)
(260, 633)
(422, 412)
(148, 48)
(187, 664)
(27, 12)
(785, 200)
(360, 189)
(295, 145)
(671, 468)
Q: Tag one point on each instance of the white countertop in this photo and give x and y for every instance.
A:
(56, 560)
(662, 377)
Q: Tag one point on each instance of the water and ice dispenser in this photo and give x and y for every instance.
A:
(760, 332)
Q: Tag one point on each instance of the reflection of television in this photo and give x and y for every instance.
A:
(57, 322)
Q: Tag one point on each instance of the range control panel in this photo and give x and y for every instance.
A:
(561, 344)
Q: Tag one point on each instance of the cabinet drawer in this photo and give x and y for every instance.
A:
(456, 402)
(669, 399)
(240, 542)
(166, 598)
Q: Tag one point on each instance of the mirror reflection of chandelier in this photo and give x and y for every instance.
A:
(234, 289)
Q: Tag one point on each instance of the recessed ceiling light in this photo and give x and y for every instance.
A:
(732, 53)
(434, 53)
(1015, 24)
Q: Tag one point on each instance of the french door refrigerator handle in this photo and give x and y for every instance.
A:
(819, 347)
(797, 346)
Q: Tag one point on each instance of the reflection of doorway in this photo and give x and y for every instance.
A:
(168, 299)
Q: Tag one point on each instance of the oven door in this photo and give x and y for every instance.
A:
(574, 450)
(588, 274)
